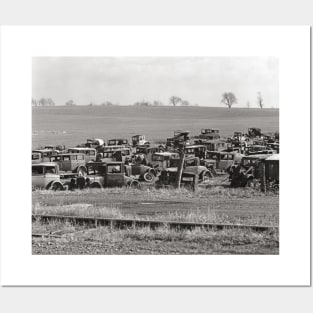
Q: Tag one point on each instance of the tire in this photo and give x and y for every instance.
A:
(148, 177)
(81, 182)
(82, 171)
(134, 184)
(95, 185)
(205, 176)
(56, 186)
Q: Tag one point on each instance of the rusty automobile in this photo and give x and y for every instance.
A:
(210, 134)
(193, 173)
(139, 140)
(221, 161)
(142, 172)
(71, 162)
(180, 138)
(45, 154)
(254, 132)
(248, 172)
(90, 153)
(107, 175)
(161, 160)
(118, 142)
(143, 154)
(120, 155)
(46, 176)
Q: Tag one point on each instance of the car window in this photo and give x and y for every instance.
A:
(37, 170)
(80, 157)
(73, 157)
(50, 170)
(192, 162)
(157, 158)
(66, 158)
(35, 156)
(114, 169)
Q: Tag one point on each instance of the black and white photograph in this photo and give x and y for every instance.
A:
(155, 155)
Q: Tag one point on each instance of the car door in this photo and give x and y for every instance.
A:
(38, 176)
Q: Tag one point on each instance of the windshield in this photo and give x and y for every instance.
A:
(114, 168)
(157, 158)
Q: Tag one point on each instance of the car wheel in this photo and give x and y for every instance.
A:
(56, 186)
(148, 177)
(135, 184)
(82, 171)
(95, 185)
(206, 176)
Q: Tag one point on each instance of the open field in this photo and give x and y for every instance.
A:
(73, 125)
(214, 205)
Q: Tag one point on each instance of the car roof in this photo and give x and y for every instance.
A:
(274, 157)
(80, 148)
(61, 154)
(165, 153)
(195, 146)
(255, 156)
(45, 164)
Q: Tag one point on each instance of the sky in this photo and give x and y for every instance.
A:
(126, 80)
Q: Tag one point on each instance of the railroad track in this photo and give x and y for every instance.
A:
(124, 223)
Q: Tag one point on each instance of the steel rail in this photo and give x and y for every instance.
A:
(123, 223)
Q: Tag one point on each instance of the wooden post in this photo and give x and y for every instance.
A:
(180, 168)
(263, 177)
(195, 182)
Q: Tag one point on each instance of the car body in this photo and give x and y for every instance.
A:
(161, 160)
(272, 168)
(36, 158)
(142, 172)
(180, 138)
(210, 134)
(107, 175)
(71, 162)
(90, 153)
(46, 175)
(94, 143)
(139, 140)
(45, 154)
(196, 151)
(212, 145)
(118, 142)
(191, 170)
(144, 153)
(119, 155)
(221, 160)
(254, 132)
(248, 171)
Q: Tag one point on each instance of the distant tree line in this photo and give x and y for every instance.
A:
(42, 102)
(174, 100)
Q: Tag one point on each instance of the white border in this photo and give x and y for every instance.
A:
(290, 43)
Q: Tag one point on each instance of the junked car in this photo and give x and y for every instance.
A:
(112, 174)
(46, 176)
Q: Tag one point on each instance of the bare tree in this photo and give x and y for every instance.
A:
(175, 100)
(185, 103)
(229, 99)
(260, 100)
(248, 104)
(70, 103)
